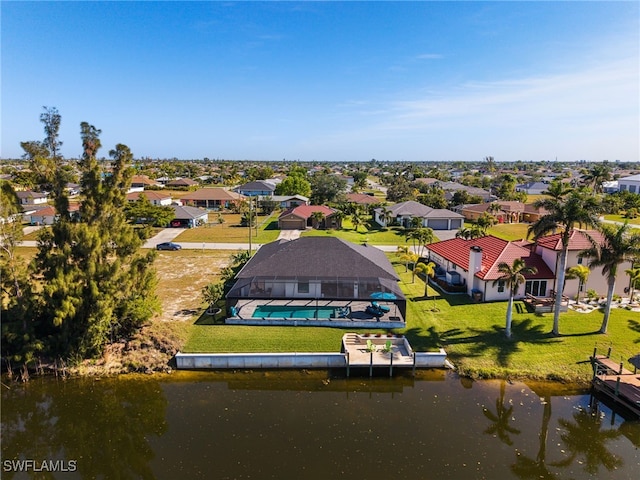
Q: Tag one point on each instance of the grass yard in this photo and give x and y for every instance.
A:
(471, 333)
(373, 234)
(231, 232)
(509, 231)
(621, 218)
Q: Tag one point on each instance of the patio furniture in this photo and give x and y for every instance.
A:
(383, 308)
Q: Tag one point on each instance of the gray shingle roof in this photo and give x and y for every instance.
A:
(318, 257)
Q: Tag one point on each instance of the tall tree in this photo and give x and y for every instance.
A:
(617, 246)
(429, 271)
(634, 279)
(566, 211)
(513, 276)
(326, 188)
(420, 237)
(96, 286)
(294, 184)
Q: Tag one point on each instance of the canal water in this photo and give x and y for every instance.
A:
(311, 425)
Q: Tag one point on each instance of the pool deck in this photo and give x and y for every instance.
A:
(357, 317)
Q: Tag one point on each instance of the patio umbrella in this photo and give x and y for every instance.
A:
(383, 296)
(635, 360)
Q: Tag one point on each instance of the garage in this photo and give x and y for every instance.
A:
(438, 223)
(456, 223)
(291, 222)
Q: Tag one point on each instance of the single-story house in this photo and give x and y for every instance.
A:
(47, 214)
(28, 197)
(403, 213)
(532, 188)
(216, 198)
(289, 201)
(317, 268)
(631, 184)
(143, 181)
(188, 217)
(301, 217)
(154, 197)
(362, 199)
(610, 186)
(510, 211)
(181, 182)
(473, 264)
(260, 188)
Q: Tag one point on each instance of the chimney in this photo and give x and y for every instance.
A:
(475, 265)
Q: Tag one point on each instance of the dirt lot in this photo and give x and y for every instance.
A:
(181, 276)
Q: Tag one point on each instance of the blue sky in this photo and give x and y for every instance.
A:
(328, 81)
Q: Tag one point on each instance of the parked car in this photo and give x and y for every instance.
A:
(169, 246)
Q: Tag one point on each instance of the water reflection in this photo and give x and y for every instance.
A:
(316, 425)
(103, 425)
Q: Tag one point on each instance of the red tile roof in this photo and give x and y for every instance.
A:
(305, 211)
(577, 240)
(494, 251)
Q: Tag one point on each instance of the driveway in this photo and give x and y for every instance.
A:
(289, 234)
(165, 235)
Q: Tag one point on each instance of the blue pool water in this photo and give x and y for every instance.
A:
(292, 311)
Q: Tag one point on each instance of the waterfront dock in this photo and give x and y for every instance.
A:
(614, 380)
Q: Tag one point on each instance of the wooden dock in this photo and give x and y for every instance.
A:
(386, 351)
(614, 380)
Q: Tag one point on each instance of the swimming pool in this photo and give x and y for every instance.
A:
(293, 311)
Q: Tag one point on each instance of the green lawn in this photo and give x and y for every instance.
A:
(373, 234)
(231, 232)
(509, 231)
(472, 334)
(621, 218)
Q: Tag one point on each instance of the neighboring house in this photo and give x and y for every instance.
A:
(188, 217)
(510, 212)
(260, 188)
(181, 182)
(28, 197)
(451, 188)
(610, 186)
(143, 181)
(403, 213)
(473, 264)
(212, 198)
(549, 248)
(155, 197)
(289, 201)
(301, 217)
(330, 269)
(47, 215)
(362, 199)
(533, 188)
(630, 184)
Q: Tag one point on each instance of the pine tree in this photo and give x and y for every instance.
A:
(97, 288)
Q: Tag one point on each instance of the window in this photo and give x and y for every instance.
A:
(579, 260)
(632, 188)
(303, 287)
(537, 288)
(501, 286)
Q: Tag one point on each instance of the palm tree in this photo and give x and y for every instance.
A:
(317, 218)
(387, 215)
(597, 174)
(581, 272)
(420, 237)
(617, 246)
(429, 271)
(513, 276)
(634, 278)
(407, 256)
(470, 233)
(485, 221)
(566, 212)
(357, 221)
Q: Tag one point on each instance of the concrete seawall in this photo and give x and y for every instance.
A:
(188, 361)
